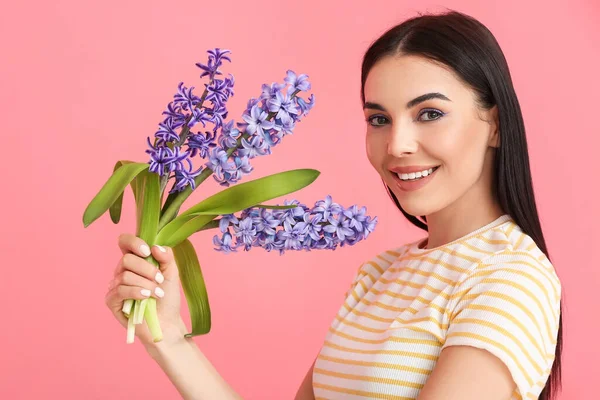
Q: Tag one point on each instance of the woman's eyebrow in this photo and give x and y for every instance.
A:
(410, 104)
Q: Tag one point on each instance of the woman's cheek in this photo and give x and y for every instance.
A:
(375, 150)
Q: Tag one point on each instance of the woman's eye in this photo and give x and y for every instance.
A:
(430, 112)
(375, 117)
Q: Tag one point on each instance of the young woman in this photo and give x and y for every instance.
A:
(470, 312)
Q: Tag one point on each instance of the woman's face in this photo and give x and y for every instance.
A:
(445, 134)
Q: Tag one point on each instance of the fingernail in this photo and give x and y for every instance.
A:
(159, 277)
(161, 248)
(146, 292)
(145, 250)
(159, 292)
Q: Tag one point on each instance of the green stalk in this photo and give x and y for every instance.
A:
(127, 306)
(130, 325)
(147, 216)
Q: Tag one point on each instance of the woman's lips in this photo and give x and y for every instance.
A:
(412, 185)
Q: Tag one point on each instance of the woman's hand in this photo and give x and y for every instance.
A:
(136, 278)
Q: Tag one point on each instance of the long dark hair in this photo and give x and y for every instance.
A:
(469, 48)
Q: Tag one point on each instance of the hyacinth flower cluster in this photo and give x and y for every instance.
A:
(327, 225)
(194, 141)
(225, 150)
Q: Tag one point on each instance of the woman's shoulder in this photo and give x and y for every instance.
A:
(517, 254)
(383, 259)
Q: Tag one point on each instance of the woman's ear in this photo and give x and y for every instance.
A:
(494, 134)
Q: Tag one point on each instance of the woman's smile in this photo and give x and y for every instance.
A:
(412, 181)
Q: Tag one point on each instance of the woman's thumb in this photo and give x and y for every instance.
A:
(166, 260)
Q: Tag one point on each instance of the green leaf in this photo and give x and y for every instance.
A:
(258, 206)
(277, 207)
(112, 189)
(147, 187)
(147, 202)
(181, 228)
(234, 199)
(115, 208)
(194, 287)
(251, 193)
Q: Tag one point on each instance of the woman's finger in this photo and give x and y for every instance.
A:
(128, 278)
(166, 260)
(139, 266)
(129, 243)
(117, 295)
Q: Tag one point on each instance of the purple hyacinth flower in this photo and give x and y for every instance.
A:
(297, 82)
(304, 106)
(184, 178)
(199, 115)
(166, 132)
(218, 162)
(162, 156)
(369, 226)
(356, 217)
(255, 147)
(174, 113)
(224, 244)
(217, 91)
(176, 159)
(159, 159)
(185, 98)
(246, 231)
(313, 222)
(328, 241)
(229, 83)
(243, 165)
(293, 235)
(283, 105)
(257, 121)
(226, 220)
(218, 114)
(327, 207)
(299, 228)
(215, 58)
(285, 127)
(289, 215)
(340, 226)
(269, 91)
(269, 242)
(229, 136)
(265, 222)
(201, 143)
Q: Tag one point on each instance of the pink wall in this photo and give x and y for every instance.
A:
(83, 85)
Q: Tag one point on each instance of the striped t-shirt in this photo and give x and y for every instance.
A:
(493, 289)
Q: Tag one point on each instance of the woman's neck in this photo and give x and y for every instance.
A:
(453, 223)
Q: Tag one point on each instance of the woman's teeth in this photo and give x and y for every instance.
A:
(413, 176)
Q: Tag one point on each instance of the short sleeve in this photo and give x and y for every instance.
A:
(511, 310)
(357, 277)
(372, 269)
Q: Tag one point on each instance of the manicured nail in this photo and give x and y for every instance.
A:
(145, 250)
(146, 292)
(159, 277)
(161, 248)
(159, 292)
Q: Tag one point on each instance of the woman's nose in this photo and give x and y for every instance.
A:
(402, 143)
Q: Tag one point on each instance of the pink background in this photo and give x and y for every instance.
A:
(83, 85)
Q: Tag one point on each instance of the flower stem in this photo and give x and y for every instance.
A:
(130, 324)
(152, 321)
(148, 311)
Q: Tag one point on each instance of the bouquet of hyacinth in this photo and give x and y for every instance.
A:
(226, 151)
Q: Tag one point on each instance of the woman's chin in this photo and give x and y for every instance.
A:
(416, 211)
(413, 206)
